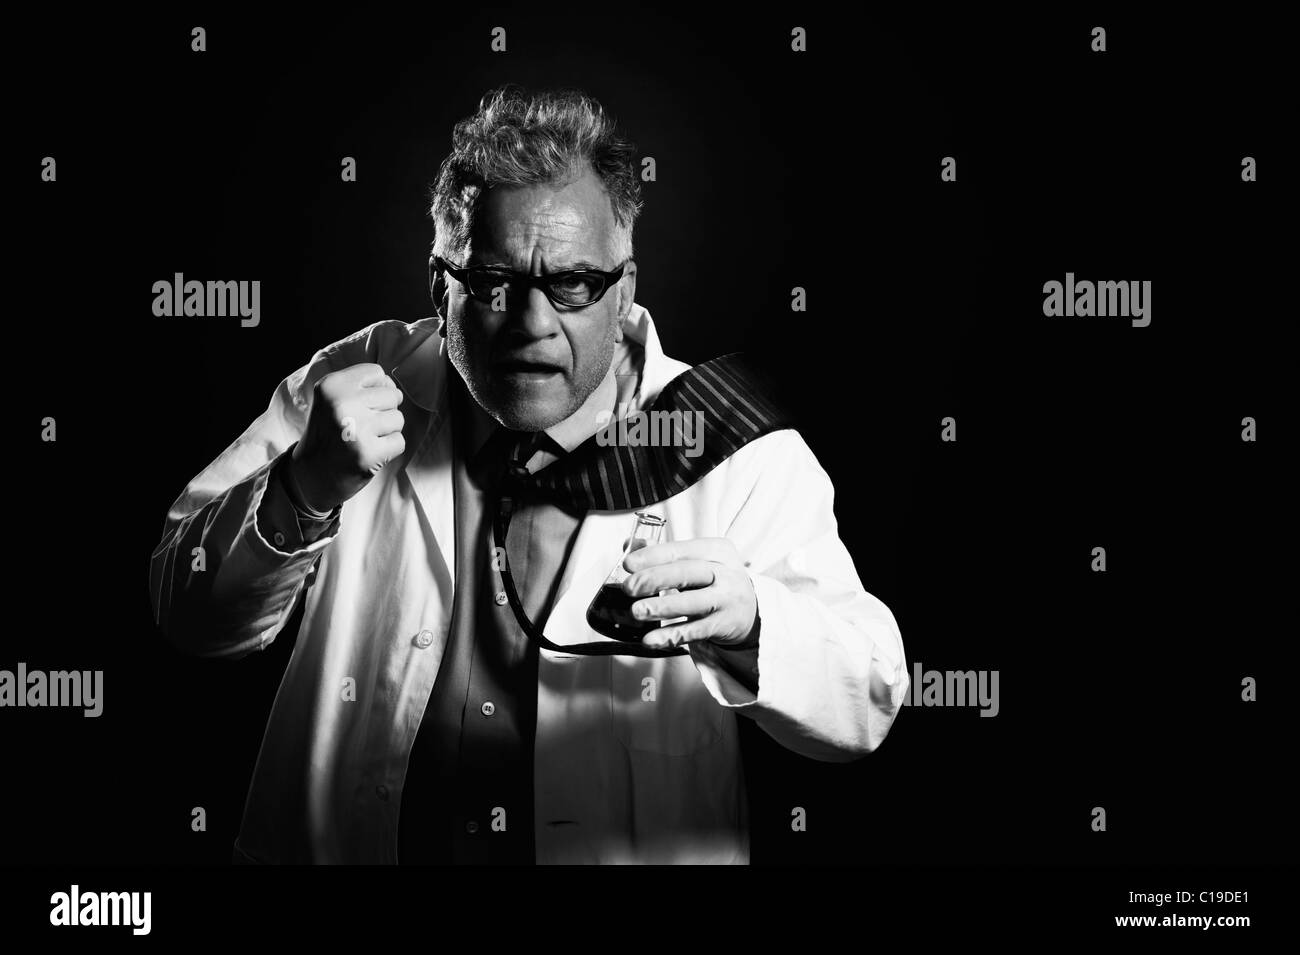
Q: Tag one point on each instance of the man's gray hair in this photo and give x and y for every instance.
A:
(521, 138)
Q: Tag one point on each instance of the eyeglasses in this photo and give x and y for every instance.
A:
(570, 289)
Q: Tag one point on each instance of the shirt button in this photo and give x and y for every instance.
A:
(501, 599)
(471, 827)
(382, 792)
(425, 639)
(279, 539)
(488, 708)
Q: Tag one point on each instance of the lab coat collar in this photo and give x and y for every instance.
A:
(422, 374)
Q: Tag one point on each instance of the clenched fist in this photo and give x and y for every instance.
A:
(354, 430)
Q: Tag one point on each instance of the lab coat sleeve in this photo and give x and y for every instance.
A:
(829, 664)
(219, 587)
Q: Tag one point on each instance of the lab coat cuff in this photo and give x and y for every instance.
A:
(274, 512)
(764, 661)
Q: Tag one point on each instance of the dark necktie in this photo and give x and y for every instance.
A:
(503, 456)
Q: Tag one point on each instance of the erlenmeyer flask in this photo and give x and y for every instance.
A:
(610, 612)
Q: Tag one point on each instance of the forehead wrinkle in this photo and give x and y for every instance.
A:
(558, 242)
(566, 223)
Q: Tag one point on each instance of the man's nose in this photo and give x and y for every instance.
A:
(536, 315)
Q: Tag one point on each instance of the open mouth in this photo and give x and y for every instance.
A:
(519, 368)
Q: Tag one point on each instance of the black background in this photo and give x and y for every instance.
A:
(775, 169)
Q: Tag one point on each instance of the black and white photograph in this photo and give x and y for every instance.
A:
(463, 440)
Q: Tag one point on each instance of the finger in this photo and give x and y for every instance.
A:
(363, 374)
(681, 574)
(378, 398)
(373, 376)
(679, 634)
(387, 422)
(390, 446)
(700, 548)
(688, 603)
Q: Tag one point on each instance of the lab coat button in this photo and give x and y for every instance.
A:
(279, 539)
(424, 640)
(488, 708)
(382, 792)
(501, 599)
(471, 827)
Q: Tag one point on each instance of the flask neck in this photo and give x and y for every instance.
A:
(649, 530)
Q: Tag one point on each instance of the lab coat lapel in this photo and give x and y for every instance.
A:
(427, 464)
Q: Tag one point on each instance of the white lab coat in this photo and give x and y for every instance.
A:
(637, 760)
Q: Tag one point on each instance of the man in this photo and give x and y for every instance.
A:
(416, 721)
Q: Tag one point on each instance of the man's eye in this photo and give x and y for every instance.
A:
(486, 283)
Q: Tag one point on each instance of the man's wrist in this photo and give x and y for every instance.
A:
(749, 643)
(294, 490)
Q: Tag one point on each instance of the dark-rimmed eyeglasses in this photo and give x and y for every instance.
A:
(570, 289)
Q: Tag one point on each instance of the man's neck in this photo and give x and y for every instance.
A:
(614, 396)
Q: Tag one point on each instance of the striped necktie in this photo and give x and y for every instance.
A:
(728, 399)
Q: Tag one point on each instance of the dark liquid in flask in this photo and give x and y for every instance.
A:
(611, 614)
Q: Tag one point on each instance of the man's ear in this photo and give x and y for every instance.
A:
(438, 292)
(626, 295)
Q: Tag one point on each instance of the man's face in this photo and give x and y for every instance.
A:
(533, 364)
